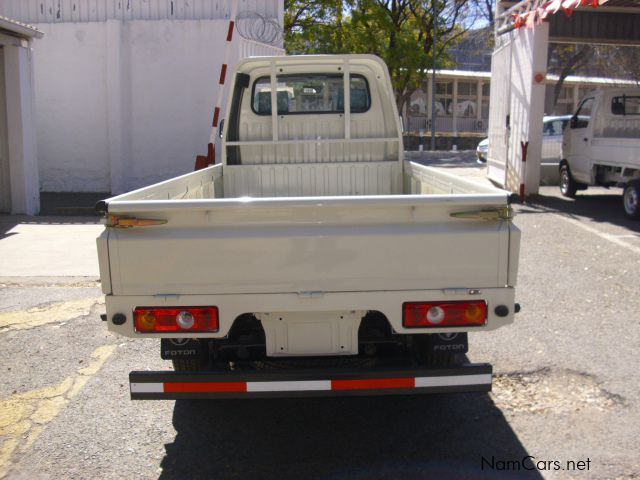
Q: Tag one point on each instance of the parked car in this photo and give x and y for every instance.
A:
(482, 151)
(552, 130)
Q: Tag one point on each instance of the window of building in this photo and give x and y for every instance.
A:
(444, 88)
(417, 103)
(444, 98)
(486, 89)
(467, 99)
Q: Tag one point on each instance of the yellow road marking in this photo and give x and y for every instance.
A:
(56, 312)
(24, 416)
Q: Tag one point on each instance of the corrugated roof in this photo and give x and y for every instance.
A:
(13, 27)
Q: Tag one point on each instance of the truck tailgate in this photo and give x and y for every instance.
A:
(323, 244)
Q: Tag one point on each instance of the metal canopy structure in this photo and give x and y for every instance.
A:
(572, 21)
(523, 32)
(18, 29)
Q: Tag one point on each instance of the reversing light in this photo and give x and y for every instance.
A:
(185, 320)
(444, 314)
(176, 319)
(435, 315)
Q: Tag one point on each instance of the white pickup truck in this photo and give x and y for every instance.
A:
(314, 260)
(601, 146)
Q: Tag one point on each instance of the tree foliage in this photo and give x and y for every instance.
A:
(401, 32)
(592, 60)
(565, 60)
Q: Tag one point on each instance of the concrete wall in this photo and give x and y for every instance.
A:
(70, 81)
(64, 11)
(124, 104)
(21, 147)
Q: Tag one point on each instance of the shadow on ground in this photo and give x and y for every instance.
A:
(604, 206)
(70, 203)
(7, 223)
(436, 436)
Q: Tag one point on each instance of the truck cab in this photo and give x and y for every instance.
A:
(600, 146)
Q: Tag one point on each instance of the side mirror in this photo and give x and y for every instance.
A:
(579, 122)
(221, 128)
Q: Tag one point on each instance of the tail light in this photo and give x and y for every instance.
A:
(176, 319)
(444, 314)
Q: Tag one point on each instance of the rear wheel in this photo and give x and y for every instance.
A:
(631, 199)
(568, 185)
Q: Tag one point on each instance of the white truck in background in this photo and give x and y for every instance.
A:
(314, 260)
(601, 146)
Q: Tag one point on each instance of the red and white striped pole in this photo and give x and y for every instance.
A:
(201, 160)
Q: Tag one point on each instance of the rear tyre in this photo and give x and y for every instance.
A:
(631, 199)
(568, 185)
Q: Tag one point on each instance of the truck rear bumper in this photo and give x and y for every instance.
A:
(179, 385)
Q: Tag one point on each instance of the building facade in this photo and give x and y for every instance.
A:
(462, 101)
(19, 192)
(126, 90)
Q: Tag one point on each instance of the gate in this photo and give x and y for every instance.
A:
(499, 103)
(518, 74)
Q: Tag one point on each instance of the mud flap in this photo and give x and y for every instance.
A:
(440, 343)
(175, 348)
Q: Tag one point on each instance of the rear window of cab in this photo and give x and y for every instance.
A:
(310, 94)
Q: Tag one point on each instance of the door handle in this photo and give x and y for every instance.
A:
(585, 139)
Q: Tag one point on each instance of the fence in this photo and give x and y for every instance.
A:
(446, 124)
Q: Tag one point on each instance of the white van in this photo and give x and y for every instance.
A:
(601, 146)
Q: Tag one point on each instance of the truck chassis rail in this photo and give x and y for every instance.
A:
(171, 385)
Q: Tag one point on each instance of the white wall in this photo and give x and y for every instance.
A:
(71, 113)
(122, 104)
(174, 67)
(20, 125)
(65, 11)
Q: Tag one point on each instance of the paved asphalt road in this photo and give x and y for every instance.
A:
(567, 385)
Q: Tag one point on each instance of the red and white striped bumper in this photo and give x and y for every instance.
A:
(177, 385)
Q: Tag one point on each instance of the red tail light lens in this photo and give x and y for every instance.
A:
(176, 319)
(444, 314)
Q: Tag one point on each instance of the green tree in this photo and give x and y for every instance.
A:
(398, 31)
(313, 26)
